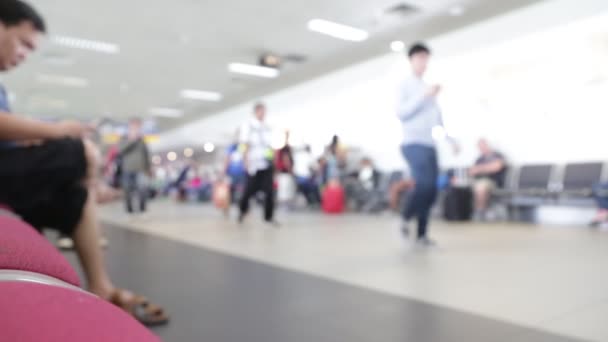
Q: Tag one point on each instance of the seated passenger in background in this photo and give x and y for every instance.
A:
(234, 169)
(600, 193)
(304, 170)
(489, 173)
(53, 181)
(362, 184)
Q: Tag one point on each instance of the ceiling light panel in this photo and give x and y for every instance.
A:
(171, 113)
(337, 30)
(201, 95)
(86, 44)
(66, 81)
(253, 70)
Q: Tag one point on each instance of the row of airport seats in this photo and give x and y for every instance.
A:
(41, 298)
(534, 185)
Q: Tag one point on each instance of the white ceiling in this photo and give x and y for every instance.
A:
(167, 46)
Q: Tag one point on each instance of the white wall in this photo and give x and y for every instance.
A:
(531, 81)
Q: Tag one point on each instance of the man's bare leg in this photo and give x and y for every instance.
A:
(86, 242)
(86, 236)
(482, 197)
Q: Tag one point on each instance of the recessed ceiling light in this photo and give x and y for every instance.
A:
(66, 81)
(398, 46)
(253, 70)
(156, 160)
(201, 95)
(336, 30)
(172, 156)
(166, 112)
(209, 147)
(188, 152)
(456, 11)
(86, 44)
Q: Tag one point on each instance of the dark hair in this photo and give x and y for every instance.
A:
(333, 146)
(14, 12)
(136, 120)
(258, 106)
(418, 48)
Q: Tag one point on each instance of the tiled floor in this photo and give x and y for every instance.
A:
(553, 279)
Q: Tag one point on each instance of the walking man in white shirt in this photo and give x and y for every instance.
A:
(256, 136)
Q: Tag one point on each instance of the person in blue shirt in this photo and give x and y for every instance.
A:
(420, 114)
(235, 170)
(48, 170)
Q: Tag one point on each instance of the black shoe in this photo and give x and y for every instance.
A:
(596, 223)
(241, 218)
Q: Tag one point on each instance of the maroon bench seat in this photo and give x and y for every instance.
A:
(34, 312)
(23, 248)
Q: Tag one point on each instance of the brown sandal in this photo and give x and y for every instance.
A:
(139, 307)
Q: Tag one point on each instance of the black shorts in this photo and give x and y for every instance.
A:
(43, 184)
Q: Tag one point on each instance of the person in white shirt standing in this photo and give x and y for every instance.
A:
(420, 114)
(256, 136)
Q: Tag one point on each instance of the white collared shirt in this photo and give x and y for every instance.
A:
(257, 135)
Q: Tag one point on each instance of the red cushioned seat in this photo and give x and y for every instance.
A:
(34, 313)
(23, 248)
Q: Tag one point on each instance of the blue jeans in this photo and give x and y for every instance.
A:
(131, 184)
(425, 170)
(599, 193)
(310, 190)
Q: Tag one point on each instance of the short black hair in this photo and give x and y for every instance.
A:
(136, 120)
(259, 105)
(14, 12)
(418, 48)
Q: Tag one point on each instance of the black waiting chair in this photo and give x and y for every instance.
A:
(532, 186)
(579, 179)
(534, 180)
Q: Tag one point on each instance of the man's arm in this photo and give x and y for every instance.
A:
(489, 168)
(448, 137)
(410, 104)
(244, 141)
(147, 159)
(412, 100)
(13, 127)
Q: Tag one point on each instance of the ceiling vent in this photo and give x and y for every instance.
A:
(295, 58)
(401, 9)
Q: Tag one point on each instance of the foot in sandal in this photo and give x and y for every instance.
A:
(139, 307)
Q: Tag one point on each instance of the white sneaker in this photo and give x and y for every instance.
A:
(425, 242)
(65, 243)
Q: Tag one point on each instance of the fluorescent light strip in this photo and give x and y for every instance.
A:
(457, 11)
(253, 70)
(166, 112)
(86, 44)
(201, 95)
(336, 30)
(65, 81)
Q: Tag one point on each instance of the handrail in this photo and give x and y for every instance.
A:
(31, 277)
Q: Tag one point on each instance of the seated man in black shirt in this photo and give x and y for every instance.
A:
(489, 172)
